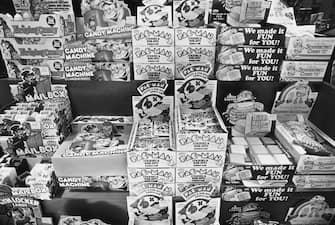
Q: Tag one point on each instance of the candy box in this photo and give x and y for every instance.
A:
(154, 71)
(281, 204)
(153, 55)
(198, 206)
(259, 73)
(116, 71)
(210, 159)
(34, 48)
(195, 37)
(190, 13)
(153, 36)
(97, 149)
(250, 55)
(47, 25)
(56, 66)
(253, 36)
(154, 15)
(150, 208)
(304, 48)
(151, 159)
(303, 70)
(314, 181)
(94, 183)
(205, 69)
(99, 50)
(152, 175)
(199, 126)
(187, 54)
(108, 19)
(15, 69)
(223, 11)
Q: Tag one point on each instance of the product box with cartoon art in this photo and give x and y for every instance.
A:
(303, 70)
(154, 55)
(152, 158)
(198, 207)
(103, 71)
(296, 207)
(250, 55)
(265, 73)
(253, 36)
(154, 71)
(37, 125)
(20, 210)
(154, 15)
(97, 148)
(47, 25)
(153, 36)
(195, 37)
(55, 66)
(99, 50)
(107, 18)
(307, 48)
(190, 13)
(77, 220)
(150, 207)
(16, 70)
(199, 126)
(189, 54)
(34, 48)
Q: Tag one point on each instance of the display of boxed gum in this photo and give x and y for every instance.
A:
(153, 36)
(34, 48)
(99, 50)
(310, 156)
(103, 71)
(303, 70)
(97, 149)
(155, 54)
(199, 126)
(15, 69)
(253, 36)
(190, 54)
(47, 25)
(250, 55)
(195, 36)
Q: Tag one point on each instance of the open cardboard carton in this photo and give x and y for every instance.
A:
(199, 126)
(96, 149)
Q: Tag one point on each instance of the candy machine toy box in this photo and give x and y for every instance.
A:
(99, 50)
(47, 25)
(199, 126)
(16, 70)
(34, 48)
(96, 148)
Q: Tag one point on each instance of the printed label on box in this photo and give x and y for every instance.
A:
(190, 13)
(188, 54)
(151, 159)
(154, 71)
(153, 36)
(195, 37)
(161, 175)
(200, 159)
(153, 54)
(154, 15)
(306, 70)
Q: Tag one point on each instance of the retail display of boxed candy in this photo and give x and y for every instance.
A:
(95, 149)
(251, 55)
(253, 36)
(15, 70)
(312, 153)
(267, 73)
(195, 36)
(303, 70)
(281, 204)
(305, 48)
(99, 50)
(47, 25)
(34, 48)
(154, 15)
(154, 71)
(103, 71)
(153, 36)
(198, 206)
(190, 13)
(261, 159)
(208, 159)
(188, 54)
(151, 159)
(199, 126)
(90, 183)
(55, 66)
(36, 128)
(314, 181)
(107, 19)
(153, 55)
(184, 70)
